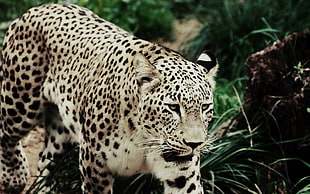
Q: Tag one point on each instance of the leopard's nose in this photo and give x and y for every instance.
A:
(193, 145)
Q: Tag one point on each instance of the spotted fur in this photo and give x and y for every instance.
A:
(133, 106)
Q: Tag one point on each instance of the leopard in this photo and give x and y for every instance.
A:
(132, 106)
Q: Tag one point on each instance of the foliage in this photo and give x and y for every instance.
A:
(225, 99)
(226, 168)
(235, 29)
(147, 19)
(12, 9)
(233, 165)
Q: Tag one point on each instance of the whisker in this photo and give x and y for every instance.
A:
(209, 145)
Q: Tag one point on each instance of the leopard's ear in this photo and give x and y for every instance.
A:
(146, 74)
(208, 61)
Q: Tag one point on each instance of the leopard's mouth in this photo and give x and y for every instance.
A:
(174, 156)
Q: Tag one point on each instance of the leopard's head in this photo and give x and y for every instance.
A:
(175, 104)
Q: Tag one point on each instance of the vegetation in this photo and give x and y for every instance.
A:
(233, 30)
(147, 19)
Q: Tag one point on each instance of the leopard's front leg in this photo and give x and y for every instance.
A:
(95, 174)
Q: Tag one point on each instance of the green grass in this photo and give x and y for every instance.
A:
(225, 168)
(225, 99)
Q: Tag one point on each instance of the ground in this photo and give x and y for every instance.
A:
(33, 143)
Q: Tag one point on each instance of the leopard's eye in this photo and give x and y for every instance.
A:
(205, 107)
(174, 108)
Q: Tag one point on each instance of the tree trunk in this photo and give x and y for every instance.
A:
(277, 99)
